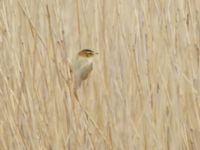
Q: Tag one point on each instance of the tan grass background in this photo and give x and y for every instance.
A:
(144, 90)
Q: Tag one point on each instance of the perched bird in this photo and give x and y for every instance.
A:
(82, 66)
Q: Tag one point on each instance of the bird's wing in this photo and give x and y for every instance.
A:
(86, 69)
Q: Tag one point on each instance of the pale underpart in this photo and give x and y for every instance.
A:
(81, 69)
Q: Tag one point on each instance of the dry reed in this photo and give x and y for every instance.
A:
(144, 90)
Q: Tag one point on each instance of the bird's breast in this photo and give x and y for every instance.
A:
(85, 70)
(82, 69)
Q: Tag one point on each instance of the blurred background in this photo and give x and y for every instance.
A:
(144, 90)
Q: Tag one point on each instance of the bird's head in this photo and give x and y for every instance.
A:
(87, 53)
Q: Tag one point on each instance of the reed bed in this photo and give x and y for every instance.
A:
(143, 93)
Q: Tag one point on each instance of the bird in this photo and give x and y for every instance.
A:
(82, 66)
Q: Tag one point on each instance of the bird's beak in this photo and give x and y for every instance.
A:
(96, 53)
